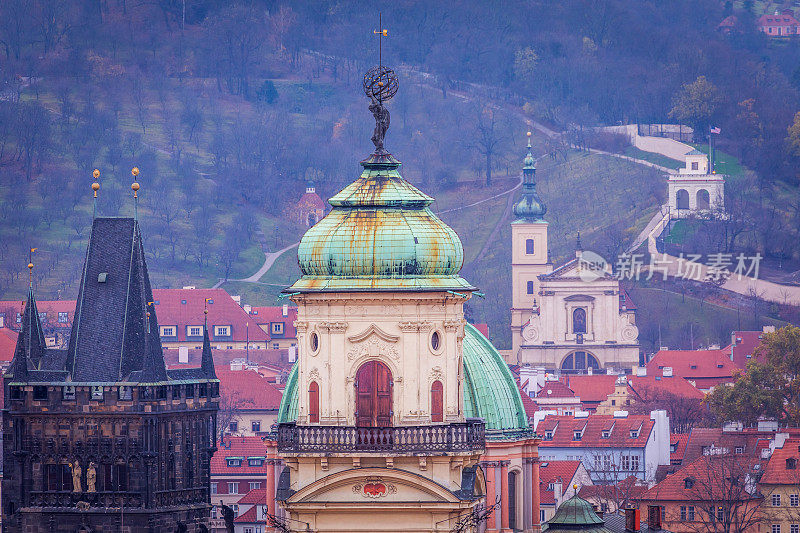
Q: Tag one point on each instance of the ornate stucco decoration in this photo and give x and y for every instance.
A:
(373, 330)
(374, 488)
(372, 347)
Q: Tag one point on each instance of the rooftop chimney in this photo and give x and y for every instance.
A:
(285, 310)
(632, 520)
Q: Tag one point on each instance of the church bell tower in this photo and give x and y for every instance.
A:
(529, 253)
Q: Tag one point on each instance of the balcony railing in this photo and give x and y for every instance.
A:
(455, 437)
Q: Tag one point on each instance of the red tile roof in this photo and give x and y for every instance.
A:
(591, 389)
(786, 18)
(743, 346)
(551, 471)
(678, 442)
(240, 447)
(625, 301)
(247, 517)
(483, 328)
(706, 368)
(528, 403)
(247, 389)
(778, 471)
(268, 315)
(563, 428)
(704, 473)
(254, 497)
(628, 489)
(649, 387)
(311, 200)
(49, 309)
(555, 389)
(222, 311)
(8, 343)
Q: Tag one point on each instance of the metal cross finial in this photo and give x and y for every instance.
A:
(381, 33)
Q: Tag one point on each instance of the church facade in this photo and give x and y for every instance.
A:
(101, 436)
(574, 318)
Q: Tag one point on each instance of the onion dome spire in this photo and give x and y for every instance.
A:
(529, 207)
(381, 233)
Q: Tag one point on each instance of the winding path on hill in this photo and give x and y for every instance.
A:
(269, 260)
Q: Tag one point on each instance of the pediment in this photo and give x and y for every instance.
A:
(579, 298)
(373, 330)
(373, 485)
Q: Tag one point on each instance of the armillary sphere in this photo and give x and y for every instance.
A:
(380, 83)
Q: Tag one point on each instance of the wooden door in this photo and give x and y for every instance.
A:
(373, 395)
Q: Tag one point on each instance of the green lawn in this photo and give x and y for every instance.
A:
(726, 164)
(658, 159)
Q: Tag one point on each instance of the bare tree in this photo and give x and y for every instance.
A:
(487, 138)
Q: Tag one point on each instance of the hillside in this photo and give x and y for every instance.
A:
(229, 109)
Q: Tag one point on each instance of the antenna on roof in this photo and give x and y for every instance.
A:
(95, 187)
(135, 189)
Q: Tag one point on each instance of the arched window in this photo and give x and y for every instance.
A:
(703, 199)
(529, 246)
(682, 199)
(579, 362)
(530, 287)
(313, 402)
(579, 320)
(437, 401)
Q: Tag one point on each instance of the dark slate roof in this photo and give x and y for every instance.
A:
(31, 347)
(115, 336)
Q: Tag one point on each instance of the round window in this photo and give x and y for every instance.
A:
(435, 341)
(314, 342)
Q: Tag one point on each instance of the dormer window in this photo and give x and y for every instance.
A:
(277, 328)
(634, 433)
(791, 463)
(255, 461)
(234, 462)
(168, 331)
(606, 434)
(688, 483)
(548, 435)
(577, 434)
(194, 331)
(222, 331)
(693, 367)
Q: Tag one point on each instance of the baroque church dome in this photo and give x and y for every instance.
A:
(380, 235)
(490, 391)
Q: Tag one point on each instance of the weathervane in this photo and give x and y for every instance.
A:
(380, 85)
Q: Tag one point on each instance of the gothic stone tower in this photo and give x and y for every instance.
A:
(529, 253)
(100, 436)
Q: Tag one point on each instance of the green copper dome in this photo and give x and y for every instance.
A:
(529, 208)
(576, 514)
(380, 235)
(490, 391)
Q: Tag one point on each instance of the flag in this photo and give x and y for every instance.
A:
(715, 130)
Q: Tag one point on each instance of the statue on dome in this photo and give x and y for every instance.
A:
(380, 85)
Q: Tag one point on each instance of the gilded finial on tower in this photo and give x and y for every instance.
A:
(95, 188)
(135, 189)
(205, 313)
(30, 267)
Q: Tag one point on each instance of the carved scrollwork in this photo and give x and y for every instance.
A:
(372, 347)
